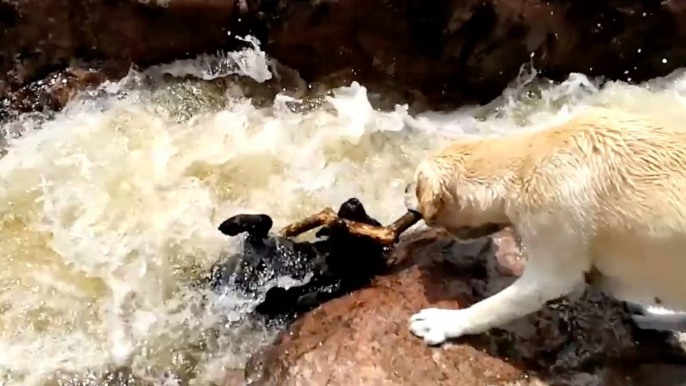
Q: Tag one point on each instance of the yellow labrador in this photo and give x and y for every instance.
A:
(605, 190)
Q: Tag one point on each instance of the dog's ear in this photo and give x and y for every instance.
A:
(429, 196)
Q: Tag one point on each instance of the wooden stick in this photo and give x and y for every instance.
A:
(325, 217)
(404, 222)
(383, 235)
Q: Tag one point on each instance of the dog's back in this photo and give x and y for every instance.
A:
(602, 192)
(634, 178)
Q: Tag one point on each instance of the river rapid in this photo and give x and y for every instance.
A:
(110, 208)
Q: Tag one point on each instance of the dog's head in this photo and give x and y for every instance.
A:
(445, 199)
(429, 191)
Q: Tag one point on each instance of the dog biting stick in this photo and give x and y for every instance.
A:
(385, 235)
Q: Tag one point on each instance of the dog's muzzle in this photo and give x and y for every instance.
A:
(411, 201)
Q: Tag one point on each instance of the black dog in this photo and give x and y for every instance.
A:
(327, 268)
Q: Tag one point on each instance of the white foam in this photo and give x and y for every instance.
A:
(251, 62)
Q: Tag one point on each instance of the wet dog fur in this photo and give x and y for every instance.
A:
(604, 191)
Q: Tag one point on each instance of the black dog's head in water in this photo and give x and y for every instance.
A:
(317, 271)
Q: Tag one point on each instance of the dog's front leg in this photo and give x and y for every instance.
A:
(546, 277)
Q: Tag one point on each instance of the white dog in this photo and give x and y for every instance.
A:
(604, 191)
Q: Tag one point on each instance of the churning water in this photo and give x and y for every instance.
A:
(110, 208)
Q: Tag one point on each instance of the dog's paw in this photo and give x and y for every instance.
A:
(435, 325)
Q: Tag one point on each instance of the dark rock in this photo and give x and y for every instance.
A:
(39, 36)
(338, 263)
(463, 51)
(436, 53)
(55, 90)
(363, 338)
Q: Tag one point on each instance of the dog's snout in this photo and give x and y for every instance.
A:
(411, 202)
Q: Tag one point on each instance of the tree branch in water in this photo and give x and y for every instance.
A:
(385, 235)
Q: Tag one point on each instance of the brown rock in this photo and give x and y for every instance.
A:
(58, 88)
(442, 52)
(363, 338)
(463, 51)
(38, 36)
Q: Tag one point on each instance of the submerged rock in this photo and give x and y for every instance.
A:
(363, 338)
(444, 53)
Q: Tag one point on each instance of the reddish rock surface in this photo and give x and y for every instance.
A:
(444, 52)
(363, 338)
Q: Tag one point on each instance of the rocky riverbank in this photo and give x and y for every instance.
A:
(363, 338)
(445, 53)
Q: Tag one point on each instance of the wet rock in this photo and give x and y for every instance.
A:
(439, 53)
(39, 36)
(363, 338)
(461, 51)
(55, 90)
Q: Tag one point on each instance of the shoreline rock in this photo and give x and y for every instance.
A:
(363, 338)
(40, 36)
(444, 53)
(469, 51)
(54, 91)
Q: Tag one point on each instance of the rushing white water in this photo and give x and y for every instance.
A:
(111, 208)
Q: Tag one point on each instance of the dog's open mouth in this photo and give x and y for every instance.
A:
(471, 233)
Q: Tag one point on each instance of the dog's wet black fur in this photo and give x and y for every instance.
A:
(336, 264)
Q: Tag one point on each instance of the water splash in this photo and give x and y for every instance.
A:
(109, 209)
(251, 62)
